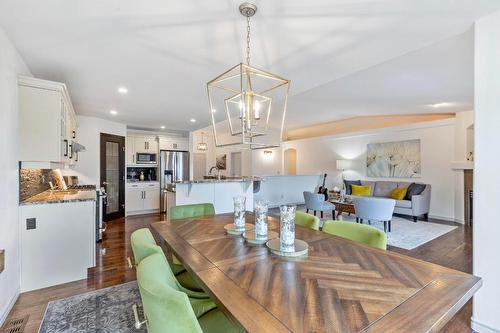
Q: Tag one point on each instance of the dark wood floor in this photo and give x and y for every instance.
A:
(453, 250)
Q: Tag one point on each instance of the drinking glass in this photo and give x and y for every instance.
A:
(287, 228)
(239, 212)
(260, 212)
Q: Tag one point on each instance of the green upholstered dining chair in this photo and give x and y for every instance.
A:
(185, 212)
(360, 233)
(189, 211)
(307, 220)
(144, 244)
(167, 309)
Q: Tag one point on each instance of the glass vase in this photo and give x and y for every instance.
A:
(260, 212)
(239, 212)
(287, 228)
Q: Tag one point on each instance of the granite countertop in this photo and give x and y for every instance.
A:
(49, 197)
(136, 181)
(222, 180)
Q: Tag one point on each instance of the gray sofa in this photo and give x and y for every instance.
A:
(416, 207)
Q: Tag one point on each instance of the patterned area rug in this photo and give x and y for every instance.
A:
(104, 311)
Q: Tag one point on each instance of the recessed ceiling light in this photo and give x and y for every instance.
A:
(213, 110)
(162, 127)
(122, 90)
(113, 112)
(192, 120)
(440, 105)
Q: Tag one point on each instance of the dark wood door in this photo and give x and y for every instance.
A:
(113, 175)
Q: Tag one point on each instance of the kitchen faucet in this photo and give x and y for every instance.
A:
(218, 171)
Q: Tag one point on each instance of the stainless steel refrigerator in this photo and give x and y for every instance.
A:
(174, 167)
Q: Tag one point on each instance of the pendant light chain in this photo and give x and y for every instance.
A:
(248, 40)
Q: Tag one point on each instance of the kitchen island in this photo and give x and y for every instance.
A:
(219, 192)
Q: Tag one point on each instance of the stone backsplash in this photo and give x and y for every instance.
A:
(35, 181)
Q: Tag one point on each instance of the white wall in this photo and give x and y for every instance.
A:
(88, 134)
(11, 65)
(464, 120)
(318, 155)
(486, 228)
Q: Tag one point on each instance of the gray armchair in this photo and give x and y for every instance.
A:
(375, 209)
(316, 202)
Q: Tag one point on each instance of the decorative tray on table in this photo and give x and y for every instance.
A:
(301, 248)
(231, 230)
(250, 237)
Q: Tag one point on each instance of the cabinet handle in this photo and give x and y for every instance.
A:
(74, 134)
(76, 157)
(144, 194)
(145, 145)
(133, 158)
(66, 148)
(70, 151)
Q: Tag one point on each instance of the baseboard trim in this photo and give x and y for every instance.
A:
(482, 328)
(10, 306)
(443, 218)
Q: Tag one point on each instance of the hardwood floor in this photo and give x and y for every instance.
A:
(453, 250)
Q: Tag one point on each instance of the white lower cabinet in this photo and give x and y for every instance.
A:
(142, 197)
(57, 243)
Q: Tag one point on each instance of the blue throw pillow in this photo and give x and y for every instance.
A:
(348, 183)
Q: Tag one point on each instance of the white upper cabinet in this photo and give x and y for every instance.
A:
(145, 144)
(172, 143)
(46, 122)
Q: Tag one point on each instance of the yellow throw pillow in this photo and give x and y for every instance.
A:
(399, 193)
(361, 191)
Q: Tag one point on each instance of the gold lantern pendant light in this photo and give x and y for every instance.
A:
(253, 102)
(202, 146)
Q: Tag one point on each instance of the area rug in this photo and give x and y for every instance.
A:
(102, 311)
(405, 233)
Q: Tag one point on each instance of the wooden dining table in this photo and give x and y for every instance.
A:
(339, 286)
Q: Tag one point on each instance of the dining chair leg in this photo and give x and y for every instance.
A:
(321, 214)
(385, 226)
(314, 213)
(357, 219)
(307, 210)
(361, 221)
(390, 225)
(370, 222)
(333, 214)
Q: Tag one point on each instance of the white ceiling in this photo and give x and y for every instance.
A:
(165, 51)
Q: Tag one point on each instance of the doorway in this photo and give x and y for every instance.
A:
(199, 165)
(236, 164)
(113, 175)
(290, 161)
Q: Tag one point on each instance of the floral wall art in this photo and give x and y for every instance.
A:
(399, 159)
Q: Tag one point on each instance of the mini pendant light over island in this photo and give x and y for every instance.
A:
(254, 102)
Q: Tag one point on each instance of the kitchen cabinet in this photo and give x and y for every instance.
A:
(172, 143)
(151, 198)
(142, 197)
(130, 150)
(57, 243)
(47, 122)
(146, 145)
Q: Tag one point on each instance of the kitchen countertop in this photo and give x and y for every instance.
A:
(223, 180)
(49, 197)
(136, 181)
